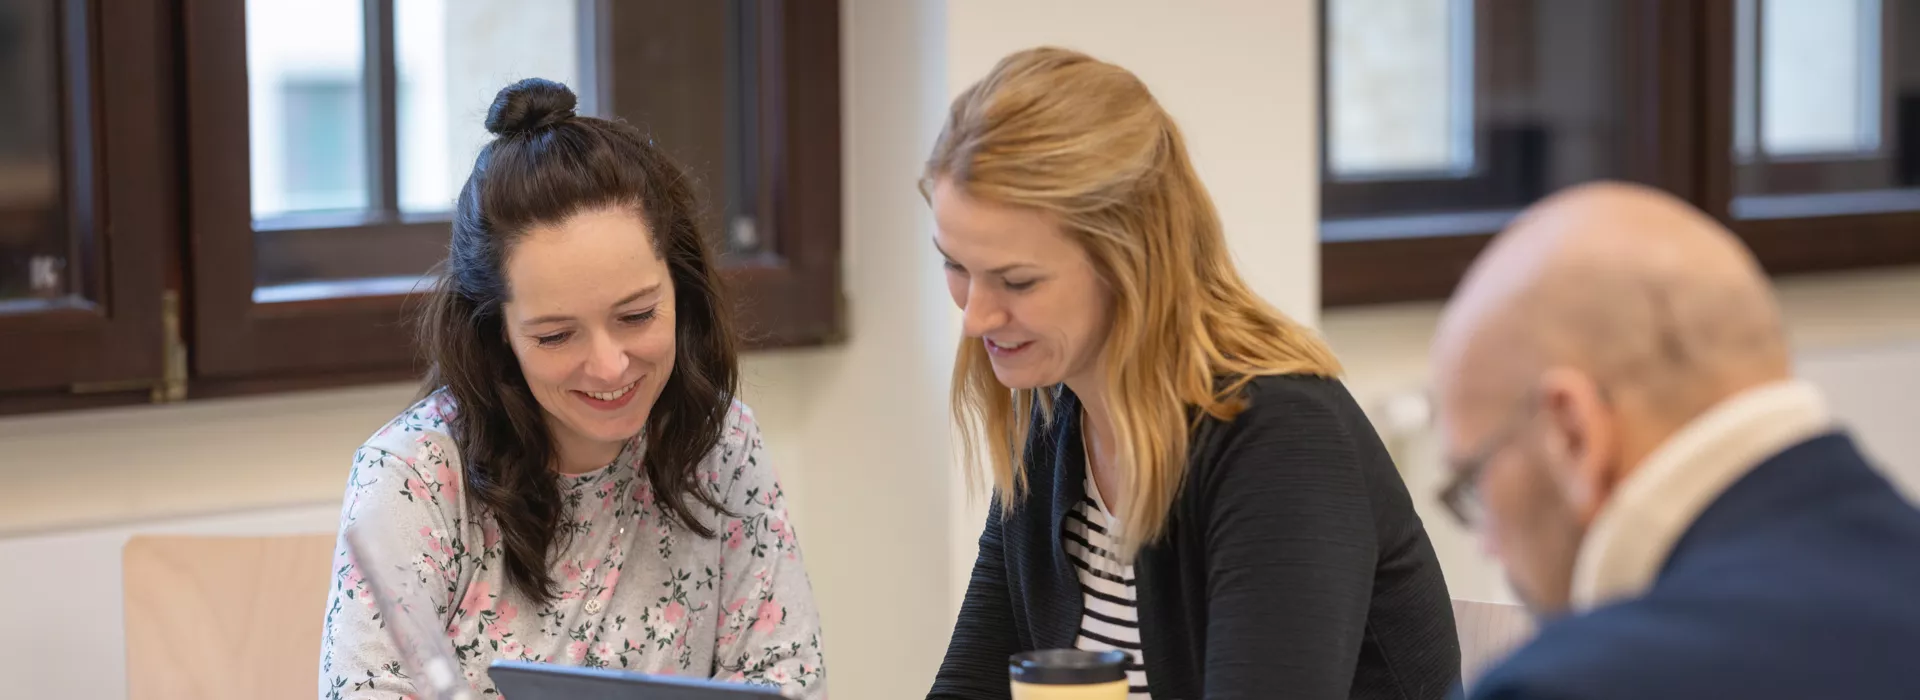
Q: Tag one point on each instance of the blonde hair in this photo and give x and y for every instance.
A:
(1085, 142)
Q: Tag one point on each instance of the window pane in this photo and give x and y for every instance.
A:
(1498, 101)
(1399, 86)
(453, 56)
(746, 231)
(1826, 107)
(1819, 77)
(306, 104)
(34, 247)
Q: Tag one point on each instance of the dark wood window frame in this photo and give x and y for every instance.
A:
(104, 343)
(158, 180)
(1680, 115)
(789, 291)
(1762, 173)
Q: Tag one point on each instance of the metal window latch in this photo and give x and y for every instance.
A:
(172, 386)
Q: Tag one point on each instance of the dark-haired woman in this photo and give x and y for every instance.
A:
(579, 485)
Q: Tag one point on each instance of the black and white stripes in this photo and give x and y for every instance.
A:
(1110, 620)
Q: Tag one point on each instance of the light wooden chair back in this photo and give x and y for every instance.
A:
(225, 617)
(1488, 632)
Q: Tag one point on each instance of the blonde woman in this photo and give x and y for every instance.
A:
(1176, 471)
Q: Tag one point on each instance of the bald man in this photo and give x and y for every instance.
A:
(1626, 435)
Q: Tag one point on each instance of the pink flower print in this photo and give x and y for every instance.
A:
(778, 526)
(352, 583)
(778, 675)
(418, 489)
(734, 607)
(727, 640)
(603, 651)
(612, 579)
(513, 650)
(675, 612)
(737, 677)
(643, 495)
(502, 618)
(444, 475)
(434, 542)
(489, 536)
(735, 534)
(476, 599)
(770, 614)
(577, 651)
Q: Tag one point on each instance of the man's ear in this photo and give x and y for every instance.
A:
(1576, 439)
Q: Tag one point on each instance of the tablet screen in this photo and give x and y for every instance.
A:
(521, 680)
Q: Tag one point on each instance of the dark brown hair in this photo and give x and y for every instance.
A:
(544, 165)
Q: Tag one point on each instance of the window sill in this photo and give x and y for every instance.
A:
(1384, 347)
(96, 468)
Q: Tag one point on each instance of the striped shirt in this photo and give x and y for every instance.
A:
(1110, 620)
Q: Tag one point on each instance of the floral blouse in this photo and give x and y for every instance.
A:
(635, 592)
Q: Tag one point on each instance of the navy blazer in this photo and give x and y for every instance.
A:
(1802, 580)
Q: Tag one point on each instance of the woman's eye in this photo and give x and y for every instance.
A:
(641, 317)
(952, 266)
(552, 339)
(1020, 286)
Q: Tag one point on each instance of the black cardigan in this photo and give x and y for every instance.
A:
(1293, 564)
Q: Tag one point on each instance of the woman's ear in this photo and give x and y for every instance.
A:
(1577, 440)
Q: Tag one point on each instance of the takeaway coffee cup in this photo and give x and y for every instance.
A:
(1069, 674)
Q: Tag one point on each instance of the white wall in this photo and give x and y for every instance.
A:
(1249, 116)
(1249, 113)
(1856, 335)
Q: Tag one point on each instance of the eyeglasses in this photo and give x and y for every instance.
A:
(1461, 495)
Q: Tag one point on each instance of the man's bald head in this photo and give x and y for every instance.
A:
(1598, 324)
(1625, 283)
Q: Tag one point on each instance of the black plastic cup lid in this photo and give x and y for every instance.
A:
(1068, 667)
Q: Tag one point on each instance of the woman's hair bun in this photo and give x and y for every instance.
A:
(529, 105)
